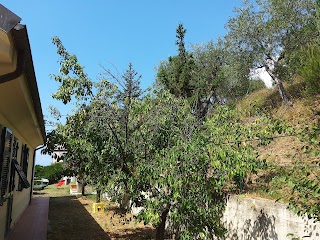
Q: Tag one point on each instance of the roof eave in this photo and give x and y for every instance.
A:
(22, 43)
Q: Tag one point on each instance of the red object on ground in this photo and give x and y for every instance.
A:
(60, 183)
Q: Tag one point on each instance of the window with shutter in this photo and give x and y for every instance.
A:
(15, 148)
(25, 160)
(6, 160)
(23, 178)
(24, 166)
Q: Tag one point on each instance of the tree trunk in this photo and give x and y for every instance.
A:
(162, 226)
(282, 91)
(98, 196)
(125, 202)
(83, 189)
(277, 81)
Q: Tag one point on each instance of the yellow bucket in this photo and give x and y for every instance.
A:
(98, 207)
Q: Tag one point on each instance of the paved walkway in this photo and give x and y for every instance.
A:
(33, 223)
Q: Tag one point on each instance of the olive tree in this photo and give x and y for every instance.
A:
(265, 32)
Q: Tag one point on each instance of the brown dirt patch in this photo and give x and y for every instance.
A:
(118, 224)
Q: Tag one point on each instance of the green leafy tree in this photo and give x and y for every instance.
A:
(310, 70)
(307, 59)
(186, 183)
(219, 75)
(73, 79)
(176, 73)
(265, 32)
(193, 75)
(74, 82)
(153, 148)
(52, 172)
(209, 75)
(94, 154)
(38, 171)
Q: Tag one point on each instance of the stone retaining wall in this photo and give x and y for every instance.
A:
(261, 219)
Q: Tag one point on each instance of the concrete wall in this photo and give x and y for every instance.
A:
(262, 219)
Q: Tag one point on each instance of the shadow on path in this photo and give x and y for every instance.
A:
(69, 220)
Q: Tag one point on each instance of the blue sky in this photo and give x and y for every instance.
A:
(114, 33)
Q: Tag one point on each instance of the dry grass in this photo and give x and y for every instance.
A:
(285, 154)
(290, 150)
(269, 99)
(254, 100)
(117, 224)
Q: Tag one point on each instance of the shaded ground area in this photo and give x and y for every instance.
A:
(118, 224)
(71, 218)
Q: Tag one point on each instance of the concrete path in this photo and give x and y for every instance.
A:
(33, 223)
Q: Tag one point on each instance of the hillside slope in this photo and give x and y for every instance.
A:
(292, 174)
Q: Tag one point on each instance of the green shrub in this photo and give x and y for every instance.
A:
(52, 172)
(256, 85)
(311, 70)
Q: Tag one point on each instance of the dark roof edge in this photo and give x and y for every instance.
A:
(22, 43)
(7, 19)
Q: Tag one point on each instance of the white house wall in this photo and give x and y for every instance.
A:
(21, 199)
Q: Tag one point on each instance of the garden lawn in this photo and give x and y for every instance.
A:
(71, 218)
